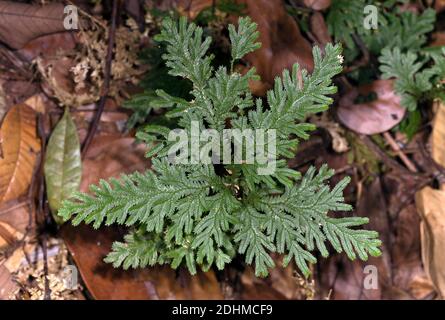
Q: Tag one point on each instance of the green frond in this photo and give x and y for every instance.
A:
(243, 39)
(411, 84)
(202, 215)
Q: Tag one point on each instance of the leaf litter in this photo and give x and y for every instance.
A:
(383, 189)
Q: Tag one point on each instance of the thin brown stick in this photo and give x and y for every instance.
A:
(107, 78)
(44, 244)
(395, 147)
(390, 162)
(16, 61)
(42, 209)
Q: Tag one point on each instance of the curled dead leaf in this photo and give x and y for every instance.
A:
(430, 207)
(89, 247)
(191, 8)
(20, 23)
(51, 45)
(438, 135)
(19, 145)
(376, 116)
(15, 219)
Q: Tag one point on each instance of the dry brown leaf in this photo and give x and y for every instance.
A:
(346, 277)
(20, 146)
(430, 206)
(320, 29)
(16, 91)
(439, 5)
(49, 45)
(89, 247)
(408, 273)
(372, 117)
(191, 8)
(317, 4)
(20, 23)
(109, 156)
(281, 284)
(438, 39)
(15, 218)
(7, 285)
(438, 135)
(282, 44)
(8, 235)
(36, 102)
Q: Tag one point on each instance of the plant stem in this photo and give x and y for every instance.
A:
(107, 78)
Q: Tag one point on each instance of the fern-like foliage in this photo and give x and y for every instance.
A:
(414, 82)
(205, 214)
(405, 30)
(398, 43)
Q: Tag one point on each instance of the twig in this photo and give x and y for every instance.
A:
(15, 61)
(366, 59)
(47, 294)
(393, 144)
(382, 155)
(106, 87)
(42, 209)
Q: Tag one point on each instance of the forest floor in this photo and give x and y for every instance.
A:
(397, 174)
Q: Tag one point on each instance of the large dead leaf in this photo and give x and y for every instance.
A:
(19, 145)
(281, 284)
(57, 44)
(89, 247)
(438, 135)
(375, 116)
(109, 156)
(20, 23)
(15, 219)
(191, 8)
(282, 44)
(430, 205)
(408, 273)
